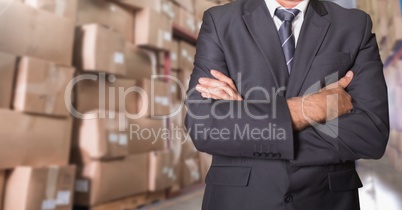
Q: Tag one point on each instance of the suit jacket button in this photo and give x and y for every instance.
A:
(270, 155)
(288, 198)
(277, 155)
(257, 154)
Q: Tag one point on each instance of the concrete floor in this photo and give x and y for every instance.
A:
(382, 190)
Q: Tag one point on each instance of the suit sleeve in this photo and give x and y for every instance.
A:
(230, 128)
(362, 134)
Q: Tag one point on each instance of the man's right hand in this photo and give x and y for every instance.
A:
(331, 102)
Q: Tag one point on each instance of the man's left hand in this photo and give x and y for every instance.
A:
(221, 88)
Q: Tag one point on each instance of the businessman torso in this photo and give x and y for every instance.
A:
(308, 170)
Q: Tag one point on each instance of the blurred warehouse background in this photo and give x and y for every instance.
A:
(87, 55)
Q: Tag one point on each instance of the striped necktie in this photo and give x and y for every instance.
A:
(286, 33)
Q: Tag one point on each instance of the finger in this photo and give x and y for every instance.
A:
(342, 83)
(219, 93)
(223, 96)
(218, 97)
(221, 77)
(215, 96)
(205, 92)
(227, 93)
(211, 82)
(224, 93)
(209, 96)
(345, 81)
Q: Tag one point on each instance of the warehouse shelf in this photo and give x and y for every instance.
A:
(132, 202)
(185, 190)
(183, 34)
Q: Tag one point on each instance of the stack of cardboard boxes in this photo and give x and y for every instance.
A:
(387, 23)
(190, 166)
(120, 151)
(157, 161)
(84, 118)
(35, 126)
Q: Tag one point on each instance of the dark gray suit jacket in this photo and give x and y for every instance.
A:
(280, 169)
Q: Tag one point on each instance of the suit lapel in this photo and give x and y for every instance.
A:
(262, 28)
(312, 35)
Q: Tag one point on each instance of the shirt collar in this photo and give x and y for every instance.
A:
(273, 5)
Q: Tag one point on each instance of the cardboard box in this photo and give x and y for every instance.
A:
(173, 82)
(184, 113)
(176, 146)
(102, 94)
(202, 5)
(40, 34)
(153, 4)
(174, 56)
(176, 140)
(155, 98)
(205, 164)
(7, 71)
(153, 30)
(33, 140)
(177, 119)
(133, 4)
(187, 21)
(140, 4)
(99, 49)
(186, 56)
(147, 135)
(162, 61)
(101, 138)
(167, 8)
(176, 10)
(191, 172)
(107, 14)
(62, 8)
(186, 4)
(174, 90)
(188, 150)
(2, 186)
(33, 188)
(181, 87)
(161, 173)
(100, 182)
(40, 87)
(140, 63)
(177, 184)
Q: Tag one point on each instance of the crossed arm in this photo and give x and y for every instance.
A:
(303, 110)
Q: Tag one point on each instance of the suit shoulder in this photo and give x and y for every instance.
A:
(349, 19)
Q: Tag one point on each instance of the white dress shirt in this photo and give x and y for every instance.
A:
(297, 22)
